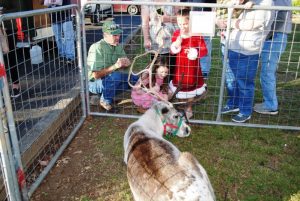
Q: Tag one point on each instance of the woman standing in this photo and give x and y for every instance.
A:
(248, 33)
(158, 25)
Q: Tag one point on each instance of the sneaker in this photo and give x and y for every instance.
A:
(205, 75)
(70, 61)
(16, 93)
(259, 108)
(240, 118)
(228, 109)
(105, 105)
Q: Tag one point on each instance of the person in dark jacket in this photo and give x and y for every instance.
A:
(10, 56)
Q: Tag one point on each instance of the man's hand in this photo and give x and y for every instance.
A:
(147, 43)
(122, 62)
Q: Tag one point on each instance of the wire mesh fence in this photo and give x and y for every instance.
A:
(210, 109)
(44, 85)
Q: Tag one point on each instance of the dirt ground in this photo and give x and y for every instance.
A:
(90, 168)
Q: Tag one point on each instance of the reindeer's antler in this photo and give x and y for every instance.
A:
(148, 70)
(177, 89)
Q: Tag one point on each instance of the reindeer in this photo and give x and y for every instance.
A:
(156, 169)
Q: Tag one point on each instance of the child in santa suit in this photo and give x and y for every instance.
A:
(188, 50)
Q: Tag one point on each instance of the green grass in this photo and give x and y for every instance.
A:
(245, 163)
(296, 3)
(242, 163)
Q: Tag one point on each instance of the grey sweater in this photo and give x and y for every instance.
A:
(250, 30)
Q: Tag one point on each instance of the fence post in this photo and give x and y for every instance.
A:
(14, 157)
(9, 177)
(81, 61)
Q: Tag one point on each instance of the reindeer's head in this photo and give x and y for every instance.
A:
(173, 121)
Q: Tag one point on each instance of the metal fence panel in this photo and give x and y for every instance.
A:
(48, 107)
(8, 184)
(207, 110)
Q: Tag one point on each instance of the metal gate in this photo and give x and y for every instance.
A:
(208, 110)
(41, 99)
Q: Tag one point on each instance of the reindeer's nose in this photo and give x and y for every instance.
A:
(188, 130)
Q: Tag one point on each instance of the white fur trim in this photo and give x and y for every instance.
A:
(174, 49)
(193, 54)
(188, 94)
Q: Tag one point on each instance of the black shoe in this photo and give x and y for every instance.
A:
(70, 61)
(15, 93)
(62, 59)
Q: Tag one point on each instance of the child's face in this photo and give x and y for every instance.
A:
(162, 72)
(183, 23)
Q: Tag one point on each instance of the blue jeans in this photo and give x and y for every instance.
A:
(270, 57)
(205, 62)
(244, 68)
(64, 38)
(229, 76)
(111, 85)
(96, 87)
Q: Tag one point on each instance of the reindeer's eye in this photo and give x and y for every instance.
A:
(176, 116)
(164, 110)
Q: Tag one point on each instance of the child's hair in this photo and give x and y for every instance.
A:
(245, 1)
(160, 61)
(184, 12)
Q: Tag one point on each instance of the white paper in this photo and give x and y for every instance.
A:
(202, 23)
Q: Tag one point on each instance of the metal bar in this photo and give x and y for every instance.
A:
(80, 62)
(85, 67)
(9, 171)
(225, 60)
(206, 5)
(35, 12)
(245, 125)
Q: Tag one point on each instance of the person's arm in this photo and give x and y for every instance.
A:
(167, 18)
(176, 42)
(254, 21)
(121, 63)
(96, 62)
(145, 26)
(105, 71)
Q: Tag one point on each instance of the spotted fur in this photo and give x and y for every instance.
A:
(156, 169)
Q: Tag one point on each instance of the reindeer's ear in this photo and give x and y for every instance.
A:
(164, 110)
